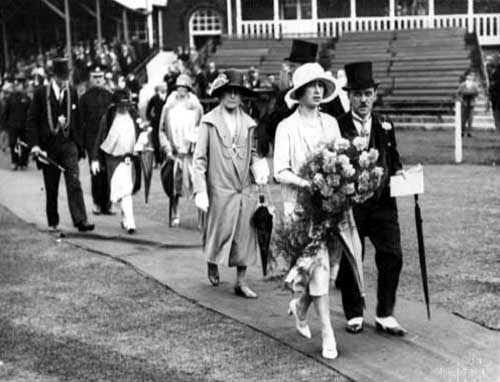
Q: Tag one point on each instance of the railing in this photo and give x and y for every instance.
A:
(486, 25)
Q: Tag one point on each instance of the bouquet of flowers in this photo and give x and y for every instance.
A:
(341, 174)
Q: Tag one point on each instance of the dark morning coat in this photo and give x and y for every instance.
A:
(384, 141)
(37, 121)
(93, 105)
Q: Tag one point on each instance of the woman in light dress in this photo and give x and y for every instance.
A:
(296, 137)
(179, 125)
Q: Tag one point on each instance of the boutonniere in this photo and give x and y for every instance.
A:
(386, 126)
(73, 107)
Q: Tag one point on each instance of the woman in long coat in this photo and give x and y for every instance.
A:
(179, 123)
(114, 150)
(223, 183)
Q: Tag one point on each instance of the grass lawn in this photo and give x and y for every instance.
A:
(69, 315)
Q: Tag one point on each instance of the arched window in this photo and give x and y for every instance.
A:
(204, 23)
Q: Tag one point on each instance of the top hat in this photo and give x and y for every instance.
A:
(60, 67)
(359, 76)
(230, 79)
(185, 81)
(303, 51)
(121, 97)
(308, 73)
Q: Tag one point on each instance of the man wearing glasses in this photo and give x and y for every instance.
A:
(376, 219)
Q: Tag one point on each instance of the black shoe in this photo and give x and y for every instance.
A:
(213, 274)
(131, 231)
(85, 227)
(53, 230)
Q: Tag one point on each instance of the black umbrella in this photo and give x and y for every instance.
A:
(262, 220)
(42, 158)
(147, 158)
(421, 254)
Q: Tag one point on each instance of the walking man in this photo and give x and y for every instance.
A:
(376, 219)
(54, 132)
(93, 105)
(153, 114)
(14, 120)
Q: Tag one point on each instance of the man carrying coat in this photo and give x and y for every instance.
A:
(54, 132)
(376, 219)
(93, 105)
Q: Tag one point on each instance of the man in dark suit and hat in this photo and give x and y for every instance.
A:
(14, 120)
(376, 219)
(54, 131)
(153, 114)
(93, 105)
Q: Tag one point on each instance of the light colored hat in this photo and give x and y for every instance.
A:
(311, 72)
(184, 80)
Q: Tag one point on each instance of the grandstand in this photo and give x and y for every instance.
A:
(419, 70)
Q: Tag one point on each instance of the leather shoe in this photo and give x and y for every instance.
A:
(244, 291)
(354, 325)
(390, 326)
(54, 230)
(213, 274)
(85, 227)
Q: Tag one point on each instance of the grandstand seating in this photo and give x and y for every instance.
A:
(419, 70)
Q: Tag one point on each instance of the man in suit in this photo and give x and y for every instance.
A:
(14, 120)
(93, 105)
(153, 114)
(376, 219)
(54, 132)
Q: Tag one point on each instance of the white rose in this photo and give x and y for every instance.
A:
(341, 144)
(361, 143)
(386, 126)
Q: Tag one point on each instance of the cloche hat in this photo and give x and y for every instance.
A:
(311, 72)
(230, 79)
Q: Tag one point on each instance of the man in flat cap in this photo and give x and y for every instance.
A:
(54, 132)
(93, 105)
(376, 219)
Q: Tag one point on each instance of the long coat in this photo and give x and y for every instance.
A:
(93, 105)
(222, 169)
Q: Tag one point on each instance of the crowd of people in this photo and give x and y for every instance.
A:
(215, 156)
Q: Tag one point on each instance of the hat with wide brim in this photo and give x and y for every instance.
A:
(302, 51)
(230, 79)
(359, 76)
(185, 81)
(309, 73)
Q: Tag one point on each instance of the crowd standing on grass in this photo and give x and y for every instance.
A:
(210, 130)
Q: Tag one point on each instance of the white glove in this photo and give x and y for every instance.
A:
(36, 150)
(260, 171)
(143, 138)
(201, 201)
(94, 167)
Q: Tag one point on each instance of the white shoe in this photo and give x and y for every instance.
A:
(300, 325)
(390, 326)
(329, 345)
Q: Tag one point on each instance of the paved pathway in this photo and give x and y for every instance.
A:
(447, 348)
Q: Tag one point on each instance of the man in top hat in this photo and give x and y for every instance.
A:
(376, 219)
(14, 120)
(93, 105)
(54, 132)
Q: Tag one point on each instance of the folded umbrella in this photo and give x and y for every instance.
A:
(262, 221)
(421, 255)
(147, 159)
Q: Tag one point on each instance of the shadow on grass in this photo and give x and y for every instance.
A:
(71, 359)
